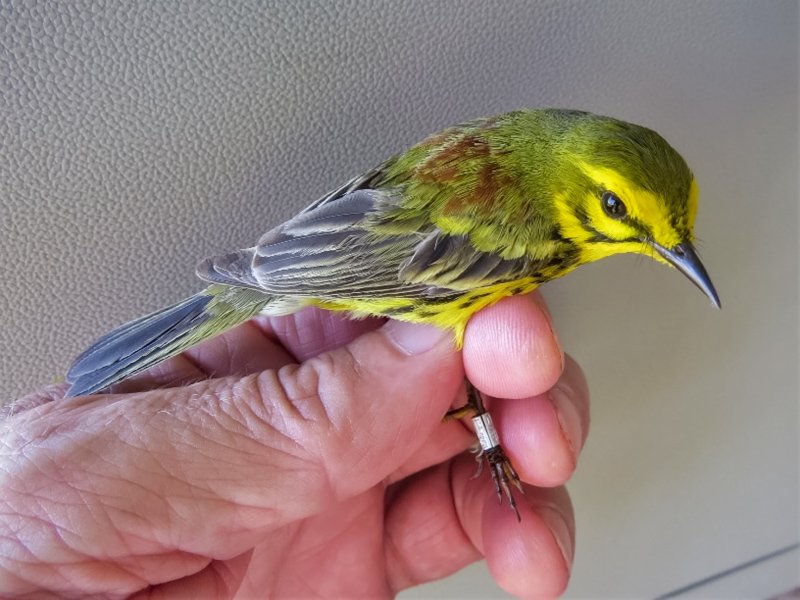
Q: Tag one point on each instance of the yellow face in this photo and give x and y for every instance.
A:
(622, 217)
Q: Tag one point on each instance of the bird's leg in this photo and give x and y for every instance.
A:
(488, 446)
(474, 405)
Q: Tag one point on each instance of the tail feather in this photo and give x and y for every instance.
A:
(142, 343)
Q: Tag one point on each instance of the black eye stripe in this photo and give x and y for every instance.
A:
(644, 229)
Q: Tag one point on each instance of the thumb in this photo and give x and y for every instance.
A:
(360, 411)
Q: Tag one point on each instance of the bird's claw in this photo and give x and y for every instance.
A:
(488, 449)
(503, 474)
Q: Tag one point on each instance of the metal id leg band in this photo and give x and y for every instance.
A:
(487, 434)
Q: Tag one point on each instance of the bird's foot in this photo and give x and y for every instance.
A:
(488, 449)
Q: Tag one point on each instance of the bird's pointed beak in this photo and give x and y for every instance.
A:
(684, 258)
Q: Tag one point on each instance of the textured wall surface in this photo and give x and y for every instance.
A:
(137, 138)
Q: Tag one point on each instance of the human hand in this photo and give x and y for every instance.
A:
(298, 470)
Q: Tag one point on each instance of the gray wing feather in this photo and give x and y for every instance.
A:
(230, 269)
(453, 262)
(336, 216)
(329, 251)
(359, 182)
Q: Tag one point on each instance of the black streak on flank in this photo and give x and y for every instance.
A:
(567, 258)
(402, 310)
(570, 257)
(481, 295)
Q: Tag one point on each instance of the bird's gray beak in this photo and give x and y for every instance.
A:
(684, 258)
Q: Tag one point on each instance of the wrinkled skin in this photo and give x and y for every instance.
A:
(300, 456)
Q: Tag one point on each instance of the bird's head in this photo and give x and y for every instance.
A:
(625, 189)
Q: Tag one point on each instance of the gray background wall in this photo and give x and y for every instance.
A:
(136, 138)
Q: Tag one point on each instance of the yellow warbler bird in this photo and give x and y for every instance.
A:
(482, 210)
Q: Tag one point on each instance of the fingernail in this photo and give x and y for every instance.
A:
(557, 525)
(569, 419)
(413, 338)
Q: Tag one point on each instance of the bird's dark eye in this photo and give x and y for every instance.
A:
(613, 206)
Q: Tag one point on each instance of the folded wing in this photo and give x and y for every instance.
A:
(330, 251)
